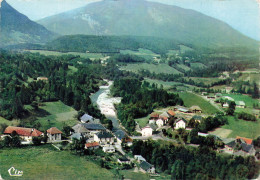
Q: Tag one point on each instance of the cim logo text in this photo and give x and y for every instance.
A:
(14, 172)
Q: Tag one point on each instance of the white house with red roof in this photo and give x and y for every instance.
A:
(54, 134)
(26, 134)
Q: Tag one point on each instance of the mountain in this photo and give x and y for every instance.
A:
(143, 18)
(16, 28)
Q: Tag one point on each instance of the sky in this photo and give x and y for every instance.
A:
(242, 15)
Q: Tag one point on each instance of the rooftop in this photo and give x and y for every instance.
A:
(22, 131)
(93, 126)
(120, 134)
(247, 140)
(54, 130)
(104, 135)
(145, 165)
(86, 118)
(94, 144)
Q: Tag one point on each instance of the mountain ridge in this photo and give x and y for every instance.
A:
(17, 28)
(142, 18)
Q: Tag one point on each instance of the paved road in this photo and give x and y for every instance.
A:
(153, 137)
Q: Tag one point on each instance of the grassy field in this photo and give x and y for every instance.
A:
(129, 174)
(170, 84)
(58, 114)
(91, 56)
(44, 162)
(197, 65)
(143, 121)
(251, 77)
(159, 68)
(145, 53)
(247, 99)
(9, 123)
(206, 81)
(242, 128)
(192, 99)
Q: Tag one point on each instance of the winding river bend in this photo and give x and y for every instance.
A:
(105, 103)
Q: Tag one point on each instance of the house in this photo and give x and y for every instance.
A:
(87, 119)
(80, 128)
(42, 79)
(180, 123)
(159, 123)
(104, 138)
(211, 96)
(181, 109)
(139, 158)
(123, 160)
(171, 113)
(109, 149)
(77, 136)
(228, 98)
(154, 116)
(94, 127)
(54, 134)
(148, 130)
(225, 105)
(91, 146)
(195, 109)
(240, 104)
(26, 134)
(165, 117)
(246, 140)
(121, 136)
(146, 167)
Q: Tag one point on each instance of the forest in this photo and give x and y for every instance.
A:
(139, 99)
(195, 163)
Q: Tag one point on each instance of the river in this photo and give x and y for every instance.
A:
(105, 103)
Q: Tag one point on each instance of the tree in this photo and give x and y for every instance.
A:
(110, 125)
(178, 170)
(37, 140)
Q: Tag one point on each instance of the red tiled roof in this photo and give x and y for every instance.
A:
(164, 118)
(54, 130)
(171, 112)
(92, 144)
(154, 115)
(247, 140)
(23, 131)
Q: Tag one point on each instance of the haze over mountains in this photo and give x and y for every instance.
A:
(143, 18)
(17, 28)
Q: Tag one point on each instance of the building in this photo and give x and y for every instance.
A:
(225, 105)
(211, 96)
(218, 95)
(154, 116)
(104, 138)
(80, 128)
(148, 130)
(123, 160)
(182, 109)
(91, 146)
(246, 140)
(121, 136)
(228, 98)
(160, 123)
(180, 123)
(87, 119)
(54, 134)
(139, 158)
(109, 149)
(240, 104)
(94, 128)
(42, 79)
(26, 134)
(195, 109)
(77, 136)
(171, 113)
(146, 167)
(165, 117)
(239, 147)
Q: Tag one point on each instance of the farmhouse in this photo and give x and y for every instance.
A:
(77, 136)
(154, 116)
(54, 134)
(104, 138)
(241, 147)
(26, 134)
(121, 136)
(180, 123)
(240, 104)
(181, 109)
(171, 113)
(165, 117)
(148, 130)
(87, 119)
(195, 109)
(80, 128)
(123, 160)
(139, 158)
(91, 146)
(93, 127)
(146, 167)
(159, 123)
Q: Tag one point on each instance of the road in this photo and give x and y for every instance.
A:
(153, 137)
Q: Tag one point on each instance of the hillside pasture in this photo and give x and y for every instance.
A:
(191, 99)
(45, 162)
(55, 114)
(197, 65)
(153, 68)
(144, 53)
(206, 81)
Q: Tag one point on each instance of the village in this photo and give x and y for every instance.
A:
(170, 125)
